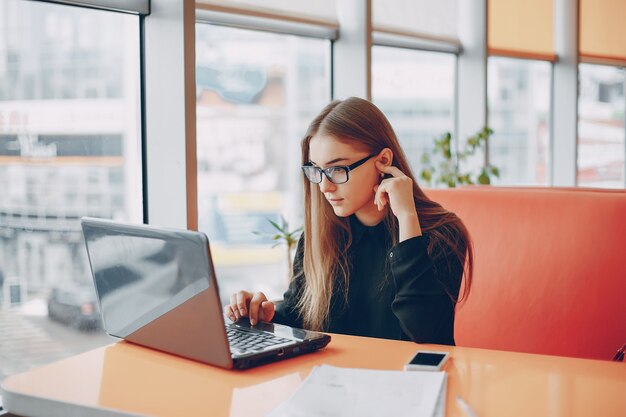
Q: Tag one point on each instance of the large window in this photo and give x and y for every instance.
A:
(519, 114)
(69, 147)
(601, 134)
(415, 90)
(256, 94)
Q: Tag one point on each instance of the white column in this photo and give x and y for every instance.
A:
(565, 94)
(170, 113)
(472, 70)
(133, 175)
(352, 54)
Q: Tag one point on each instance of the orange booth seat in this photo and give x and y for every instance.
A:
(549, 269)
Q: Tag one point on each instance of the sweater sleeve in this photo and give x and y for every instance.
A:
(286, 311)
(426, 291)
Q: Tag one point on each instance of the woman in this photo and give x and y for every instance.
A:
(377, 257)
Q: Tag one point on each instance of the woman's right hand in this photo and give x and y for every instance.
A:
(245, 304)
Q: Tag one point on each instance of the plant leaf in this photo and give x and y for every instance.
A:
(483, 178)
(276, 226)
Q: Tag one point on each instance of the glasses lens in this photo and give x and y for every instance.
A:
(338, 175)
(313, 174)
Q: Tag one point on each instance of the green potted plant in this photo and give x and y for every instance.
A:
(283, 236)
(448, 170)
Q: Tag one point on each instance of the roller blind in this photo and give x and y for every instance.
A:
(603, 31)
(320, 11)
(522, 29)
(420, 18)
(140, 7)
(316, 19)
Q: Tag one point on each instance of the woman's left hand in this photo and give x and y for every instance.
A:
(397, 191)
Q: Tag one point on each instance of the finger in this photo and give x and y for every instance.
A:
(382, 202)
(376, 196)
(390, 170)
(228, 312)
(233, 306)
(380, 198)
(267, 311)
(243, 298)
(377, 190)
(255, 305)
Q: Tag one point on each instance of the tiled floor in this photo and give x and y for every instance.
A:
(27, 341)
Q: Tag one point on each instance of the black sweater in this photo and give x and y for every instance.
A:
(393, 293)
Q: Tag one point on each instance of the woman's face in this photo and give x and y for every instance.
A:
(355, 196)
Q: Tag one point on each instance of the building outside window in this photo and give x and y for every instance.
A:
(601, 134)
(519, 114)
(256, 94)
(69, 147)
(416, 91)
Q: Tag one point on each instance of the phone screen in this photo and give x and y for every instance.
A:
(429, 359)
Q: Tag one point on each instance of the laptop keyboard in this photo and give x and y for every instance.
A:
(250, 341)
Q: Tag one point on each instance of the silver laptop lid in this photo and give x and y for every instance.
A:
(156, 287)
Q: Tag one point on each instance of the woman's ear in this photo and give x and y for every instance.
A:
(385, 157)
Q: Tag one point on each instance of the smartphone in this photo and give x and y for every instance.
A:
(426, 360)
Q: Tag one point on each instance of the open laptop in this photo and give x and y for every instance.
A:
(157, 288)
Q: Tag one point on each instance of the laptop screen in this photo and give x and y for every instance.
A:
(141, 274)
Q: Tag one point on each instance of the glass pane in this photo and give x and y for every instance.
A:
(519, 114)
(257, 93)
(69, 147)
(601, 133)
(416, 91)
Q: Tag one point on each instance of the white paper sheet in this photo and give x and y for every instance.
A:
(329, 391)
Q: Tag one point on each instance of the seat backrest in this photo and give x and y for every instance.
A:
(550, 269)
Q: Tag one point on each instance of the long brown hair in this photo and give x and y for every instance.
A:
(327, 236)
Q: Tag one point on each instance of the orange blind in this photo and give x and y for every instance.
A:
(603, 30)
(521, 28)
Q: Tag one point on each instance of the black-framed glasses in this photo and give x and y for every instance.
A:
(336, 174)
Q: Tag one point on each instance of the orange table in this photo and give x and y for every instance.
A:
(124, 379)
